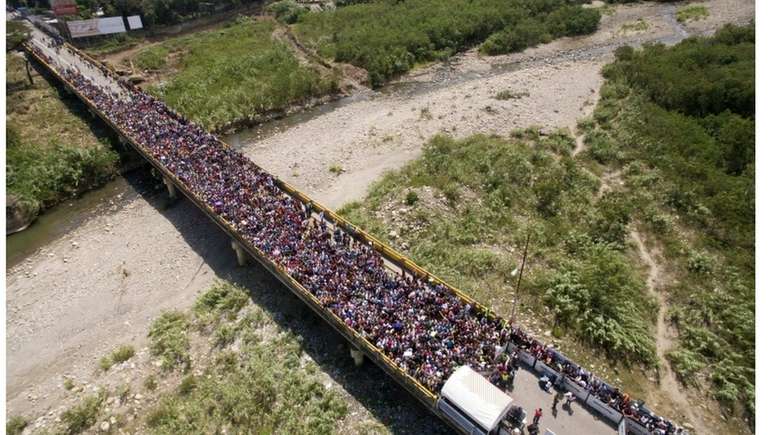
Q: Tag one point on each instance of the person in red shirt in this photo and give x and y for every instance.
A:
(538, 414)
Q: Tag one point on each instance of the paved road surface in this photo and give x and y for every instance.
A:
(529, 396)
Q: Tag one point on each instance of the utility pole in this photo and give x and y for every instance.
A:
(521, 272)
(27, 68)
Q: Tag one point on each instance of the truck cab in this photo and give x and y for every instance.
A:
(476, 407)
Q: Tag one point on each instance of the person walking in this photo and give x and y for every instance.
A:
(536, 418)
(570, 398)
(557, 398)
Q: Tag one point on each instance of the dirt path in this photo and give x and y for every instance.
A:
(668, 382)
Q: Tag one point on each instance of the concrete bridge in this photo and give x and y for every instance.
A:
(525, 392)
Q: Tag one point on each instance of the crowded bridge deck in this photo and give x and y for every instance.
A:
(408, 321)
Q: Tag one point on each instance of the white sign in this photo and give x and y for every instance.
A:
(96, 26)
(111, 25)
(134, 22)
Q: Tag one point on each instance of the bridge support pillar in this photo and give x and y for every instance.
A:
(170, 188)
(240, 253)
(357, 356)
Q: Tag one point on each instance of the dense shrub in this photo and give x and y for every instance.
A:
(169, 340)
(82, 416)
(387, 38)
(603, 298)
(573, 21)
(15, 425)
(262, 389)
(686, 130)
(287, 11)
(699, 77)
(527, 33)
(46, 174)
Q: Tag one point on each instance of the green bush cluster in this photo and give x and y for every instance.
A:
(45, 175)
(222, 300)
(701, 76)
(236, 74)
(692, 13)
(82, 416)
(681, 121)
(262, 389)
(169, 340)
(598, 294)
(16, 33)
(15, 425)
(287, 11)
(121, 354)
(387, 38)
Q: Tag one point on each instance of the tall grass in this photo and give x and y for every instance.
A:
(169, 340)
(119, 355)
(234, 74)
(152, 58)
(52, 152)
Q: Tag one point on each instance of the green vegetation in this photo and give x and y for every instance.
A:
(388, 38)
(287, 11)
(222, 300)
(68, 384)
(495, 191)
(15, 425)
(677, 126)
(233, 74)
(150, 383)
(411, 198)
(508, 95)
(265, 387)
(152, 58)
(16, 33)
(121, 354)
(635, 26)
(169, 340)
(52, 151)
(84, 415)
(336, 169)
(692, 13)
(679, 123)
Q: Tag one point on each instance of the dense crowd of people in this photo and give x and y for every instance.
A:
(423, 326)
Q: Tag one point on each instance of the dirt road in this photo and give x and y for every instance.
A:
(102, 284)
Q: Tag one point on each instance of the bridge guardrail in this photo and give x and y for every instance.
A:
(387, 364)
(409, 382)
